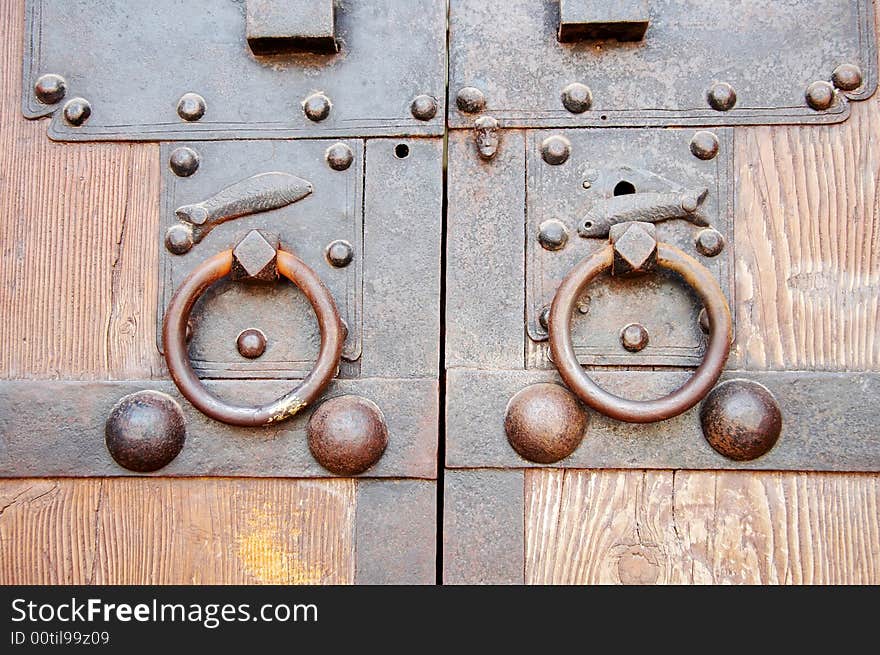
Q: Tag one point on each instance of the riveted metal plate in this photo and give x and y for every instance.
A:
(602, 163)
(769, 52)
(133, 61)
(332, 211)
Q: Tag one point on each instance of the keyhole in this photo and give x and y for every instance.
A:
(624, 188)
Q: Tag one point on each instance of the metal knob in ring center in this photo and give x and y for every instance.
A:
(306, 392)
(636, 411)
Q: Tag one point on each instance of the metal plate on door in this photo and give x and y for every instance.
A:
(727, 62)
(613, 163)
(184, 70)
(330, 214)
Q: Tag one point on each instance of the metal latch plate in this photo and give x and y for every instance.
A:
(769, 52)
(602, 163)
(133, 61)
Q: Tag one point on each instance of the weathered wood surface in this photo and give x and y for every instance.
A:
(645, 527)
(192, 531)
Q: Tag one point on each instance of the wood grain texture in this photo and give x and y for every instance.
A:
(646, 527)
(78, 228)
(808, 245)
(195, 531)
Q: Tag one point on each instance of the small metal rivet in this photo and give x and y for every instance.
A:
(347, 434)
(722, 96)
(317, 107)
(820, 95)
(470, 100)
(545, 423)
(710, 242)
(583, 305)
(587, 184)
(191, 106)
(339, 253)
(339, 156)
(184, 161)
(703, 319)
(555, 150)
(179, 239)
(251, 343)
(634, 337)
(544, 317)
(189, 331)
(145, 431)
(741, 419)
(577, 98)
(77, 111)
(50, 89)
(552, 235)
(424, 107)
(847, 77)
(704, 145)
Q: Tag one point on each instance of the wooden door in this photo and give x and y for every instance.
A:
(618, 506)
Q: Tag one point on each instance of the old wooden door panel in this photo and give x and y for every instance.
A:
(79, 226)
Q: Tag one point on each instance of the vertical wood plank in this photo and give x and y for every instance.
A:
(189, 531)
(78, 228)
(643, 527)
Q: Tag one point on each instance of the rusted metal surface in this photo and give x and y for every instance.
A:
(347, 434)
(308, 203)
(305, 392)
(396, 532)
(483, 527)
(128, 64)
(280, 26)
(545, 423)
(702, 379)
(56, 428)
(829, 423)
(729, 62)
(741, 419)
(145, 431)
(648, 172)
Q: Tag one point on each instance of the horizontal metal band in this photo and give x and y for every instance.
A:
(56, 428)
(830, 422)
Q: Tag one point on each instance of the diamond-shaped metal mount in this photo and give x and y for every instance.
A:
(254, 257)
(635, 248)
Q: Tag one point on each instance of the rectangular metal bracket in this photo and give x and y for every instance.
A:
(279, 26)
(624, 20)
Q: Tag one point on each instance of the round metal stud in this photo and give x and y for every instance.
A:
(251, 343)
(339, 156)
(179, 239)
(552, 235)
(191, 106)
(634, 337)
(470, 100)
(820, 95)
(347, 434)
(545, 423)
(741, 419)
(721, 96)
(710, 242)
(77, 111)
(577, 98)
(704, 145)
(317, 107)
(544, 317)
(555, 150)
(145, 431)
(339, 253)
(50, 88)
(847, 77)
(424, 107)
(184, 161)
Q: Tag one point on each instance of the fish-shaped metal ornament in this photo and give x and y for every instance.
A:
(645, 207)
(259, 193)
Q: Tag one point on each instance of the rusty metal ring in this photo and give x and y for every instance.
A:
(174, 340)
(636, 411)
